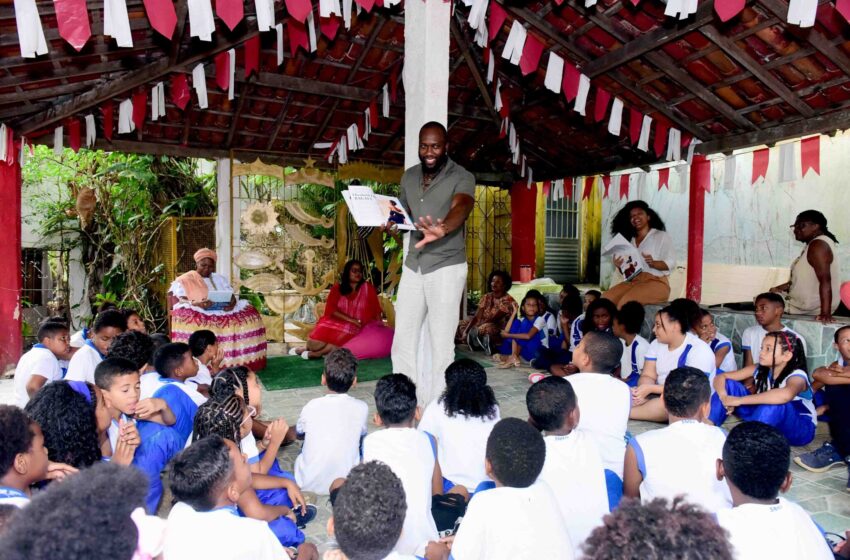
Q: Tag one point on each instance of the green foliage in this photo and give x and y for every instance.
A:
(134, 196)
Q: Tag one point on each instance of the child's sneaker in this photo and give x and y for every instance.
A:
(821, 459)
(301, 519)
(537, 376)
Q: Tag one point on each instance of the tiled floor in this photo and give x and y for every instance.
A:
(823, 495)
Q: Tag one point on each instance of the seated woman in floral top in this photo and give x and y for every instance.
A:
(494, 310)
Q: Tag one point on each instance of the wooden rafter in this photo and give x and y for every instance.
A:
(247, 88)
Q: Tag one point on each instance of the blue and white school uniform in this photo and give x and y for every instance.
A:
(634, 356)
(13, 497)
(82, 364)
(752, 338)
(550, 337)
(720, 342)
(38, 361)
(528, 348)
(796, 419)
(692, 352)
(183, 400)
(576, 332)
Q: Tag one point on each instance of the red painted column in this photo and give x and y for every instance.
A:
(700, 184)
(523, 228)
(11, 340)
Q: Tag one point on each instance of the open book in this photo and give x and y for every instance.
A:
(373, 210)
(633, 263)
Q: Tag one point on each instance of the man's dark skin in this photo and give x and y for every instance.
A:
(433, 154)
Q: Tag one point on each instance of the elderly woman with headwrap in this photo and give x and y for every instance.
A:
(238, 327)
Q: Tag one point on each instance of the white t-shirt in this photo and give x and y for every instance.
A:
(781, 531)
(248, 446)
(605, 403)
(659, 245)
(203, 376)
(82, 364)
(332, 426)
(682, 459)
(633, 356)
(13, 497)
(752, 338)
(576, 334)
(513, 523)
(551, 322)
(409, 453)
(699, 355)
(573, 470)
(151, 382)
(461, 443)
(38, 361)
(720, 342)
(220, 534)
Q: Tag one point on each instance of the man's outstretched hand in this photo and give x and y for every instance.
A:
(431, 230)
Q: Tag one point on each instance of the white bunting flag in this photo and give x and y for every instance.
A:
(674, 144)
(503, 128)
(265, 14)
(30, 31)
(616, 120)
(231, 68)
(491, 68)
(353, 137)
(367, 123)
(116, 22)
(516, 157)
(802, 12)
(645, 127)
(530, 177)
(327, 8)
(385, 109)
(787, 163)
(497, 99)
(57, 141)
(4, 146)
(589, 3)
(554, 73)
(346, 13)
(581, 98)
(323, 145)
(157, 101)
(391, 3)
(691, 147)
(342, 150)
(522, 166)
(201, 22)
(515, 43)
(478, 13)
(91, 131)
(689, 8)
(512, 139)
(729, 172)
(311, 30)
(279, 29)
(680, 8)
(125, 117)
(199, 82)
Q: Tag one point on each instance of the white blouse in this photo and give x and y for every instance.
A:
(659, 245)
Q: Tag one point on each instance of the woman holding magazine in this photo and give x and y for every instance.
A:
(202, 303)
(640, 224)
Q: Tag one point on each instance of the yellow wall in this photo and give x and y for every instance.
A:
(590, 235)
(488, 235)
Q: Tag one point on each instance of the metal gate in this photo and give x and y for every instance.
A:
(562, 254)
(488, 236)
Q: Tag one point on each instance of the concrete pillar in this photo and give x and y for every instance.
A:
(11, 338)
(223, 222)
(426, 70)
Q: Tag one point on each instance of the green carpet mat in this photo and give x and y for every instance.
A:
(291, 372)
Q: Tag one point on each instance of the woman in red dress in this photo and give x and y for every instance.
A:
(352, 304)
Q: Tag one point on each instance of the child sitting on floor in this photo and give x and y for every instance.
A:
(412, 456)
(461, 420)
(107, 325)
(626, 325)
(597, 318)
(209, 355)
(23, 458)
(118, 380)
(720, 344)
(559, 350)
(783, 394)
(590, 296)
(332, 427)
(523, 335)
(768, 313)
(41, 364)
(679, 459)
(207, 480)
(573, 467)
(518, 518)
(174, 364)
(755, 465)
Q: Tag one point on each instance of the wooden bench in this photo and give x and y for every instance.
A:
(729, 283)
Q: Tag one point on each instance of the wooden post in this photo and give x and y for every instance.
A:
(699, 184)
(11, 338)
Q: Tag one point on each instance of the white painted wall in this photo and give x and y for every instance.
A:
(749, 225)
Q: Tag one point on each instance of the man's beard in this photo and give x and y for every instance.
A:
(441, 161)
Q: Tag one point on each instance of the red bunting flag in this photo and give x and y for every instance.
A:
(635, 2)
(72, 17)
(606, 180)
(547, 188)
(588, 187)
(701, 172)
(843, 8)
(162, 16)
(727, 9)
(74, 134)
(761, 159)
(366, 4)
(531, 53)
(624, 186)
(497, 19)
(252, 56)
(686, 139)
(180, 91)
(299, 9)
(635, 122)
(505, 111)
(660, 144)
(222, 70)
(569, 84)
(140, 108)
(329, 26)
(230, 12)
(664, 178)
(108, 117)
(297, 36)
(601, 105)
(810, 154)
(373, 113)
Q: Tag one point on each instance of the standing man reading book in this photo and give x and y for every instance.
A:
(439, 195)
